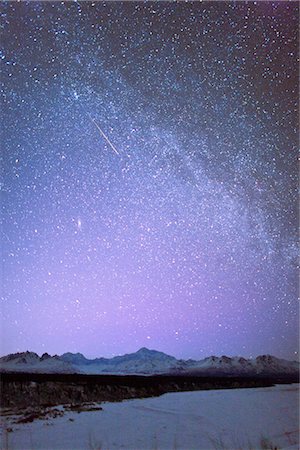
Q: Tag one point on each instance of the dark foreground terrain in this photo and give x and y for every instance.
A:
(22, 390)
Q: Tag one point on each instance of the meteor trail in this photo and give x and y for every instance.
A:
(105, 137)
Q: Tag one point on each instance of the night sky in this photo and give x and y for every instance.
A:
(149, 193)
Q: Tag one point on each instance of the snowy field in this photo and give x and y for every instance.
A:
(224, 419)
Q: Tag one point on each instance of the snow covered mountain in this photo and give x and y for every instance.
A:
(31, 362)
(147, 362)
(143, 361)
(262, 365)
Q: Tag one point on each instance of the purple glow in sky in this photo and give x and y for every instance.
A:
(149, 177)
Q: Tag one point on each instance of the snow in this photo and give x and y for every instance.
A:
(145, 361)
(48, 366)
(225, 419)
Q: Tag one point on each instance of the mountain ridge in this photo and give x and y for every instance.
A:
(146, 362)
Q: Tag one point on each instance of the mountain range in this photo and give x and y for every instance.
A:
(147, 362)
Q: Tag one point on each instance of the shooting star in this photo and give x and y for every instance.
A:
(105, 137)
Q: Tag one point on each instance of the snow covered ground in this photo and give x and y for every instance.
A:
(216, 419)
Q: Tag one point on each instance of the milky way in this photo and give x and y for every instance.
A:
(149, 177)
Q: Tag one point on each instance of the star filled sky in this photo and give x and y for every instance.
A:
(149, 168)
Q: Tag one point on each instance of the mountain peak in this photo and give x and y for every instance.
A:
(145, 350)
(73, 357)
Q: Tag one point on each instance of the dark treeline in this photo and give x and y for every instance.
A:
(138, 380)
(35, 389)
